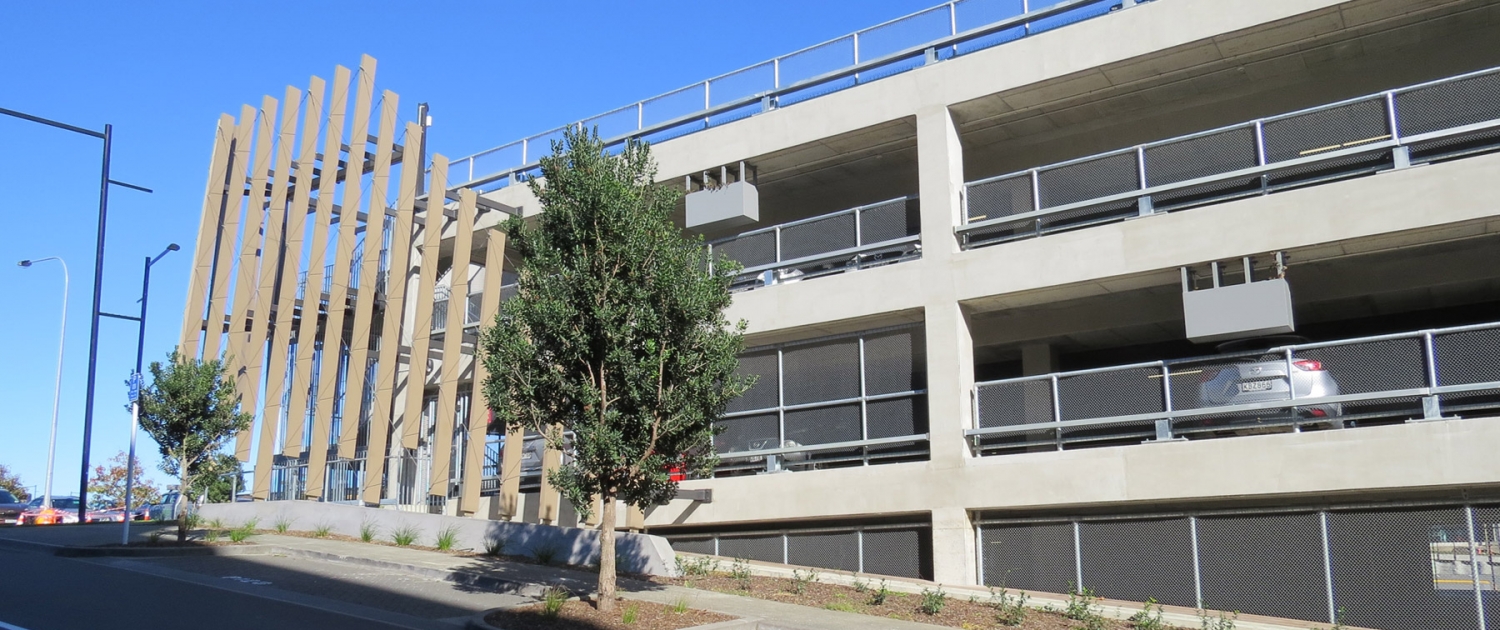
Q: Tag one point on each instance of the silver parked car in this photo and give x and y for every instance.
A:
(1257, 379)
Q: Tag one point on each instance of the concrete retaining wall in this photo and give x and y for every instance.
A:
(635, 553)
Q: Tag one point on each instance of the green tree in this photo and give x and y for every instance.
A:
(218, 478)
(13, 484)
(191, 410)
(107, 485)
(617, 335)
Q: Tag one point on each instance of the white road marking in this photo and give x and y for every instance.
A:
(247, 580)
(6, 626)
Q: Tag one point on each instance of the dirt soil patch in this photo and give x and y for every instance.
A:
(954, 612)
(581, 615)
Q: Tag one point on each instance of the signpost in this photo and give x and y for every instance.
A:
(135, 383)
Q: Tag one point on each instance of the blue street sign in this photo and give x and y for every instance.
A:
(135, 383)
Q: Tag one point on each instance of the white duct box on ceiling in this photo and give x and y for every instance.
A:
(1239, 311)
(728, 206)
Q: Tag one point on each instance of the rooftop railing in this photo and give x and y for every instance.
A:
(941, 32)
(868, 236)
(1428, 374)
(1422, 123)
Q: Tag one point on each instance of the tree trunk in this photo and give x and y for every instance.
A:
(607, 554)
(182, 493)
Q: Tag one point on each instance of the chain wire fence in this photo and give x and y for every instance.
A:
(1397, 567)
(897, 550)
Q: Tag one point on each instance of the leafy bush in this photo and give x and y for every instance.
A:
(1217, 623)
(1009, 611)
(696, 566)
(933, 601)
(740, 571)
(880, 595)
(800, 580)
(1148, 619)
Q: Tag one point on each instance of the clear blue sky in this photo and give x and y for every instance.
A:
(161, 73)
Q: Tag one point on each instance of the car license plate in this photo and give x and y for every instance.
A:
(1255, 386)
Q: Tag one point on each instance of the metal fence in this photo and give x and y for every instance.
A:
(941, 32)
(844, 400)
(1423, 123)
(472, 307)
(1399, 567)
(1374, 380)
(898, 550)
(867, 236)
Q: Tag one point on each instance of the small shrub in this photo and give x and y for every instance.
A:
(154, 536)
(368, 530)
(322, 530)
(881, 594)
(681, 605)
(800, 580)
(933, 601)
(251, 524)
(404, 536)
(211, 535)
(446, 538)
(282, 524)
(216, 523)
(494, 546)
(1217, 623)
(1147, 618)
(239, 534)
(545, 555)
(740, 571)
(1009, 611)
(1083, 606)
(861, 586)
(704, 566)
(632, 612)
(192, 519)
(552, 601)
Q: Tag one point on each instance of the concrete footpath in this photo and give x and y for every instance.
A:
(531, 580)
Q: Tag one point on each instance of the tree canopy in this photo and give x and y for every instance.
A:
(617, 334)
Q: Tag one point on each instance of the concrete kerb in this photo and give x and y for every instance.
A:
(635, 553)
(478, 622)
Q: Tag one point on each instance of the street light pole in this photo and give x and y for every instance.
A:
(135, 399)
(62, 338)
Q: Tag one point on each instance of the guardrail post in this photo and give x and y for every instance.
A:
(1057, 411)
(1164, 425)
(1078, 556)
(1291, 385)
(1432, 405)
(1401, 154)
(1197, 563)
(1143, 204)
(1333, 611)
(1474, 565)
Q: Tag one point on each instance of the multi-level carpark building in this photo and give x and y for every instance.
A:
(1196, 300)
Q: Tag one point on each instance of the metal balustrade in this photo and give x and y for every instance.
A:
(897, 549)
(928, 36)
(1433, 121)
(1428, 374)
(858, 238)
(472, 307)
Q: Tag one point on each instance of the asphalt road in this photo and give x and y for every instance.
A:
(44, 592)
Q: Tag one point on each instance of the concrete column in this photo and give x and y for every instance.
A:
(1038, 359)
(953, 556)
(950, 344)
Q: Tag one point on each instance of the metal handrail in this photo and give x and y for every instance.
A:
(767, 97)
(831, 446)
(1391, 140)
(1433, 387)
(860, 246)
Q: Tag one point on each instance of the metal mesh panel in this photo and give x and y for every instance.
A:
(999, 198)
(1015, 403)
(1202, 156)
(899, 552)
(1113, 393)
(1324, 130)
(1264, 565)
(1386, 573)
(1449, 105)
(1029, 557)
(1372, 367)
(827, 370)
(824, 424)
(1089, 179)
(827, 550)
(896, 417)
(689, 544)
(764, 394)
(750, 251)
(1468, 357)
(748, 433)
(765, 547)
(1190, 381)
(1134, 560)
(888, 221)
(1087, 216)
(818, 237)
(894, 361)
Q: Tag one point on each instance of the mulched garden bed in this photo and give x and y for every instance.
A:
(582, 615)
(954, 612)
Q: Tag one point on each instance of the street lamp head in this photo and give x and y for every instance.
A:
(173, 247)
(24, 263)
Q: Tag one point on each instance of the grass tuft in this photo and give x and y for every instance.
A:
(368, 530)
(282, 523)
(494, 546)
(631, 614)
(405, 535)
(446, 538)
(552, 601)
(321, 530)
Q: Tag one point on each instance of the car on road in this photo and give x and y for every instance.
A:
(63, 510)
(10, 509)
